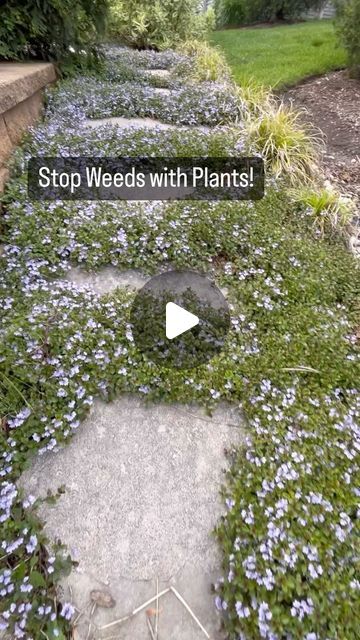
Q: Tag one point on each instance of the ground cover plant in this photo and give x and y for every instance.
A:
(290, 535)
(281, 55)
(203, 104)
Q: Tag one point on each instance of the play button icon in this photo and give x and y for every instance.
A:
(180, 319)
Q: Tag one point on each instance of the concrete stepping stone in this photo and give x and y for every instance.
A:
(106, 279)
(162, 73)
(162, 91)
(142, 498)
(126, 123)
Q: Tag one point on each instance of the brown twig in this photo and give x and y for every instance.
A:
(133, 613)
(151, 630)
(157, 610)
(90, 621)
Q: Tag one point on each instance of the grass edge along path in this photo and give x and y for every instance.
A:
(281, 56)
(290, 537)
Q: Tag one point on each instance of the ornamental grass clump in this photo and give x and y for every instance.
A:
(256, 97)
(287, 145)
(331, 211)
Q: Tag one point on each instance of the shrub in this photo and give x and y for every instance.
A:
(58, 31)
(235, 12)
(160, 25)
(287, 146)
(349, 31)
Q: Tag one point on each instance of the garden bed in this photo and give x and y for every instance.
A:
(290, 533)
(332, 104)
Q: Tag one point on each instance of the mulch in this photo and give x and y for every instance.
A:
(332, 103)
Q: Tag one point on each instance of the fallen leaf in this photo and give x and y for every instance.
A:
(152, 612)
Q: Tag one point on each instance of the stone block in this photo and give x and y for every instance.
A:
(4, 176)
(18, 81)
(22, 116)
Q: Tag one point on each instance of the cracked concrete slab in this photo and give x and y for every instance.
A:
(107, 279)
(141, 502)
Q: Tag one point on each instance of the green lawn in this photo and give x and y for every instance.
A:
(283, 55)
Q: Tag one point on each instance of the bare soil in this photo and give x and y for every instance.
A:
(332, 103)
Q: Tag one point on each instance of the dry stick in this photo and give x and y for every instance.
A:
(143, 606)
(157, 609)
(179, 597)
(81, 613)
(301, 368)
(90, 621)
(150, 628)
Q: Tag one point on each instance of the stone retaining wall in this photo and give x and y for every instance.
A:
(21, 103)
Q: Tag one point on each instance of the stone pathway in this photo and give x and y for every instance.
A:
(142, 498)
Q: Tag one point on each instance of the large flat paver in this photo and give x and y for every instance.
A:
(126, 123)
(141, 502)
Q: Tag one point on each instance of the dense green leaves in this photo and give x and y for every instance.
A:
(159, 24)
(236, 12)
(349, 31)
(58, 30)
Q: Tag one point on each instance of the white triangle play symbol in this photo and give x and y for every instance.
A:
(178, 320)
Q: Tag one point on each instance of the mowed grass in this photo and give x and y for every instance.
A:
(283, 55)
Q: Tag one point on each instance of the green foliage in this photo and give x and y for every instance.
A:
(161, 24)
(204, 104)
(236, 12)
(349, 31)
(65, 31)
